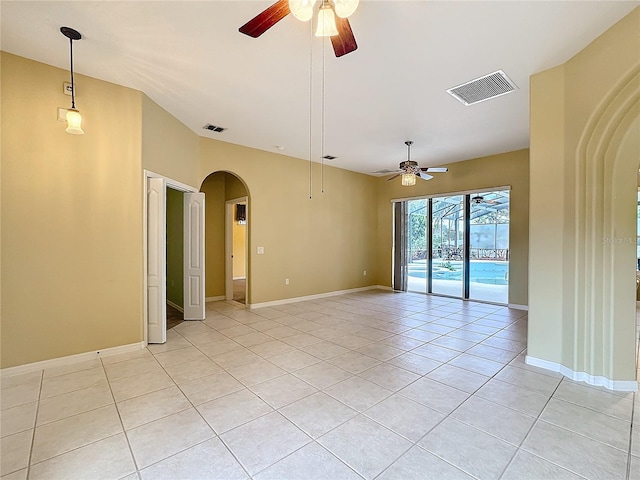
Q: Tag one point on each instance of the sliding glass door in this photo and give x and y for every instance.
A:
(456, 246)
(447, 249)
(489, 247)
(417, 215)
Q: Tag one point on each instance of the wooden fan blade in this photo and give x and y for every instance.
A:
(344, 42)
(393, 176)
(265, 20)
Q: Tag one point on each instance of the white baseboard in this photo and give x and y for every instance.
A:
(595, 380)
(515, 306)
(214, 299)
(176, 306)
(313, 297)
(80, 357)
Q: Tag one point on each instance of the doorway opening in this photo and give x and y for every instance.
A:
(161, 236)
(227, 248)
(455, 245)
(236, 250)
(175, 257)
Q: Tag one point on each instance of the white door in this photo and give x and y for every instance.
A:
(194, 298)
(156, 260)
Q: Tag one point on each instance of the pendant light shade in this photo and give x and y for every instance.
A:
(345, 8)
(302, 9)
(74, 119)
(74, 122)
(408, 179)
(326, 21)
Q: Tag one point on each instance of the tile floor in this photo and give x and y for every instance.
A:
(367, 385)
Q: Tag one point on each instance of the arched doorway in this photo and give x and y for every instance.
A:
(605, 255)
(227, 237)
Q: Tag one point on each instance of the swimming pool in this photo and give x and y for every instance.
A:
(487, 272)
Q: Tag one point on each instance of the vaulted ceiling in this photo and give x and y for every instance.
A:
(286, 92)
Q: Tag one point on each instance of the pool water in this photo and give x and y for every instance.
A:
(492, 273)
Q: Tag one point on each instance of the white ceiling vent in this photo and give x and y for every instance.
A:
(484, 88)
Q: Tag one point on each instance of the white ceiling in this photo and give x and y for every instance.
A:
(189, 57)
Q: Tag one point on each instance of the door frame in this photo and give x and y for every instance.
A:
(176, 185)
(228, 248)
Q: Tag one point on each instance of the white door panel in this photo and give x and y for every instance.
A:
(194, 299)
(156, 260)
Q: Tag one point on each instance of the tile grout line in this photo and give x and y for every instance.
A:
(124, 431)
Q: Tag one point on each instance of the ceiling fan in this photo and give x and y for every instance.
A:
(410, 170)
(332, 20)
(479, 199)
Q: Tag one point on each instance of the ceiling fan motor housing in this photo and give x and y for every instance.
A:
(409, 166)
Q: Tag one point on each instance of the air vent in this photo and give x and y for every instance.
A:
(329, 157)
(214, 128)
(484, 88)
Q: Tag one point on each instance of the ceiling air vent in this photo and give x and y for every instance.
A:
(214, 128)
(484, 88)
(329, 157)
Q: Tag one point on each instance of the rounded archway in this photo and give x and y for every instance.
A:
(227, 226)
(604, 292)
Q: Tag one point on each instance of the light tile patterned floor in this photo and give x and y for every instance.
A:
(367, 385)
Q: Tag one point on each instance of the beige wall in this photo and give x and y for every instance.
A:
(583, 119)
(168, 147)
(503, 170)
(214, 191)
(321, 244)
(71, 216)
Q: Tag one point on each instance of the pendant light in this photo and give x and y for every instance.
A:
(326, 21)
(74, 119)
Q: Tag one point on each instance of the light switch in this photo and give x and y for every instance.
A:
(260, 250)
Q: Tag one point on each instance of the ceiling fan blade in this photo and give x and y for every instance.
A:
(265, 20)
(392, 177)
(344, 42)
(425, 176)
(386, 170)
(435, 169)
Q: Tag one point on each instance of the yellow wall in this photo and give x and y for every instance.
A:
(168, 147)
(213, 188)
(583, 183)
(503, 170)
(71, 216)
(321, 244)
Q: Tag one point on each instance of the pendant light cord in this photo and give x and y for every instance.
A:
(73, 88)
(310, 103)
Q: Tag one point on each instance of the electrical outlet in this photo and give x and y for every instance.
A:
(260, 250)
(286, 281)
(67, 89)
(364, 274)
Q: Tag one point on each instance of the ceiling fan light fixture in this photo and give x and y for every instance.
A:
(326, 21)
(302, 9)
(408, 179)
(345, 8)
